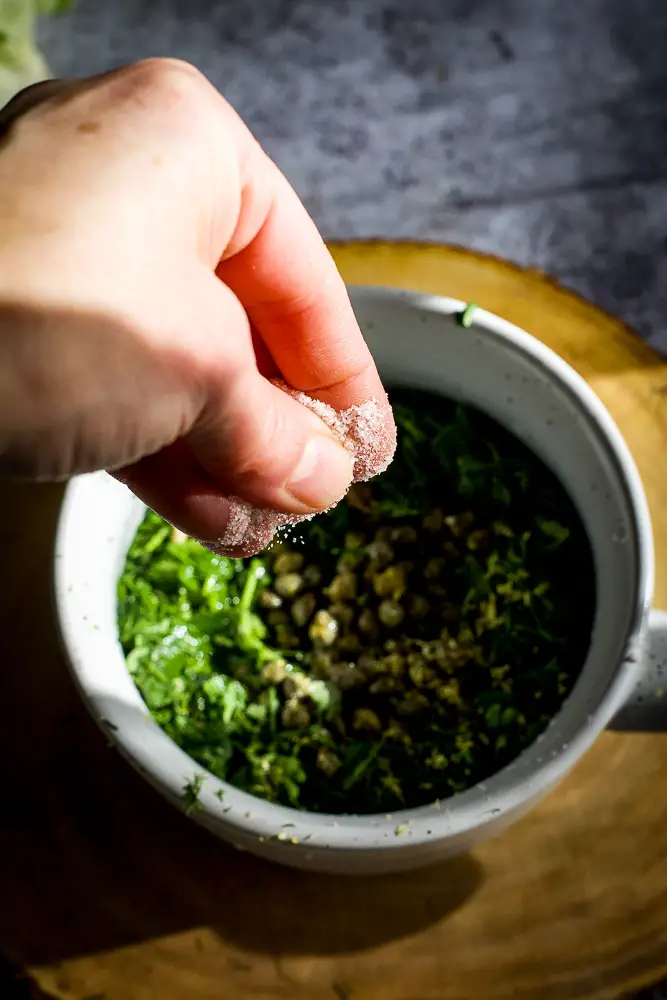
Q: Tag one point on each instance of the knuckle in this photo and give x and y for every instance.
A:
(163, 85)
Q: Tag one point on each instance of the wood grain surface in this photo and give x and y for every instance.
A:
(106, 893)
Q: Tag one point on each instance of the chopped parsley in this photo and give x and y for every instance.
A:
(191, 792)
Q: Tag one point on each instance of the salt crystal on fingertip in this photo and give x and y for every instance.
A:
(363, 429)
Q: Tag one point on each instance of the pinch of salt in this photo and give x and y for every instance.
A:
(362, 429)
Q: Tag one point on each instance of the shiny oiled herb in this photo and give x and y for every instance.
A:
(399, 649)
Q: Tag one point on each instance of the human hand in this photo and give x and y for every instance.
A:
(156, 270)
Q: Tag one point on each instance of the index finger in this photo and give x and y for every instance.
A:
(295, 298)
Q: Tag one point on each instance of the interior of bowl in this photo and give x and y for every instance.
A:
(417, 342)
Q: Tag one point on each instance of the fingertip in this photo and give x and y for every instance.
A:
(249, 530)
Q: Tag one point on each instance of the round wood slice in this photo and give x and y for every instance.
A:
(106, 892)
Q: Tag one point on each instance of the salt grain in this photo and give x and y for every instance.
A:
(366, 433)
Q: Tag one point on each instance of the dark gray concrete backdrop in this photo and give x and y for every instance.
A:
(533, 129)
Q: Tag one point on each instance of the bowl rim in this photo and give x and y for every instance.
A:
(433, 821)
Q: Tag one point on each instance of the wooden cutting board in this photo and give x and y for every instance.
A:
(106, 893)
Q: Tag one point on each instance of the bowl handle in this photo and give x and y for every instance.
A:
(646, 709)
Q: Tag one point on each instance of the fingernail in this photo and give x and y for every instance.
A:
(323, 473)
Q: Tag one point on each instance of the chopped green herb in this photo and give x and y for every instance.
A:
(54, 6)
(191, 792)
(402, 648)
(558, 533)
(464, 318)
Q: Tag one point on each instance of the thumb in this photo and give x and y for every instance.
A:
(258, 443)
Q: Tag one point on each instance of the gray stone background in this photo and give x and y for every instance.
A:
(533, 129)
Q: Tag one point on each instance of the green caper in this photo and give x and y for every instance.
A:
(302, 608)
(277, 617)
(323, 629)
(268, 599)
(391, 582)
(295, 715)
(327, 761)
(395, 664)
(343, 587)
(420, 674)
(296, 686)
(450, 692)
(395, 731)
(390, 613)
(288, 584)
(367, 719)
(430, 650)
(274, 672)
(354, 540)
(287, 562)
